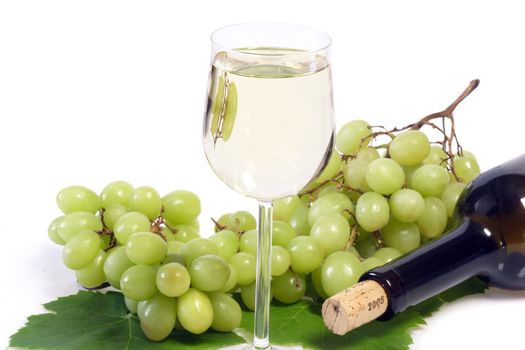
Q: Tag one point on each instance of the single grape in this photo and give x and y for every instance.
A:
(73, 223)
(436, 156)
(93, 275)
(299, 220)
(158, 316)
(248, 296)
(401, 236)
(406, 205)
(147, 201)
(198, 247)
(384, 176)
(372, 211)
(331, 168)
(327, 189)
(173, 279)
(340, 271)
(318, 283)
(209, 273)
(354, 174)
(332, 203)
(181, 207)
(331, 232)
(130, 223)
(184, 233)
(112, 213)
(282, 233)
(175, 247)
(353, 250)
(450, 196)
(367, 247)
(174, 258)
(352, 136)
(195, 225)
(195, 311)
(430, 180)
(280, 260)
(241, 221)
(466, 166)
(138, 282)
(409, 147)
(227, 243)
(131, 305)
(367, 154)
(231, 283)
(387, 254)
(227, 314)
(283, 208)
(305, 254)
(222, 222)
(146, 248)
(289, 287)
(371, 263)
(115, 265)
(78, 198)
(81, 249)
(409, 171)
(434, 219)
(244, 264)
(118, 192)
(52, 231)
(248, 242)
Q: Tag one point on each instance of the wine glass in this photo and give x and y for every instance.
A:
(269, 126)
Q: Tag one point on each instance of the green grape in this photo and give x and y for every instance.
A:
(146, 200)
(406, 205)
(305, 254)
(327, 189)
(354, 174)
(181, 207)
(409, 172)
(352, 136)
(93, 275)
(244, 264)
(367, 247)
(340, 271)
(466, 166)
(130, 223)
(332, 203)
(384, 176)
(222, 222)
(371, 263)
(387, 254)
(173, 279)
(299, 220)
(81, 249)
(318, 283)
(282, 233)
(368, 154)
(401, 236)
(241, 221)
(195, 225)
(115, 265)
(362, 234)
(353, 250)
(450, 196)
(289, 287)
(331, 232)
(112, 213)
(138, 282)
(332, 167)
(195, 311)
(158, 316)
(227, 243)
(184, 233)
(175, 247)
(73, 223)
(248, 242)
(198, 247)
(52, 231)
(131, 305)
(118, 192)
(209, 273)
(437, 156)
(230, 284)
(280, 260)
(434, 219)
(227, 314)
(430, 180)
(174, 258)
(248, 296)
(146, 248)
(78, 198)
(409, 147)
(284, 208)
(372, 211)
(228, 104)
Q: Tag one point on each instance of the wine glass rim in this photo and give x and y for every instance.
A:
(325, 46)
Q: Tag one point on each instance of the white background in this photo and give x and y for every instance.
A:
(95, 91)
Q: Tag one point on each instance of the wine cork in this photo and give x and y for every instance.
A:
(354, 307)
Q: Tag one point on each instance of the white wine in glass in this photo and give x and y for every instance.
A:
(269, 126)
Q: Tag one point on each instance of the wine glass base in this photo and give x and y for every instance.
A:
(272, 347)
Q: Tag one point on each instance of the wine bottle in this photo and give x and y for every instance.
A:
(488, 241)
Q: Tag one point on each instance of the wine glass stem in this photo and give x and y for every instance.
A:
(262, 289)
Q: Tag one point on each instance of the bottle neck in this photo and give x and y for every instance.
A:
(467, 251)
